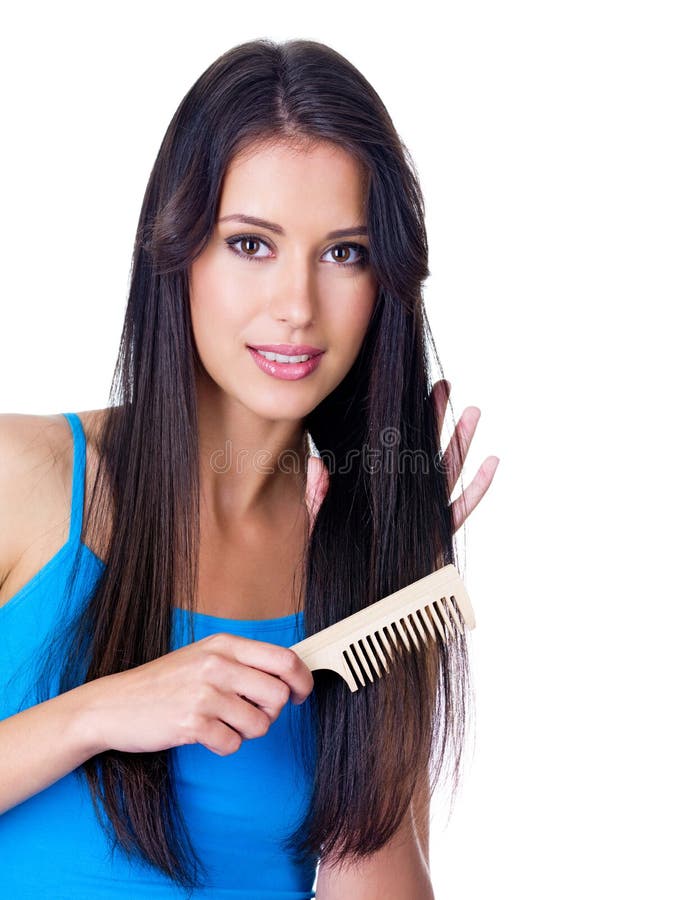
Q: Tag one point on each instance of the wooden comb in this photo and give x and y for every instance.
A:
(437, 603)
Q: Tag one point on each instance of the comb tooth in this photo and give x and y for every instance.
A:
(416, 629)
(409, 619)
(455, 606)
(355, 666)
(380, 653)
(402, 632)
(450, 601)
(394, 639)
(446, 618)
(437, 622)
(427, 621)
(366, 667)
(387, 645)
(350, 668)
(368, 643)
(419, 622)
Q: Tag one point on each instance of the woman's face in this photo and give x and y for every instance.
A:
(285, 282)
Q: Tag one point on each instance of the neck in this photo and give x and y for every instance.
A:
(250, 467)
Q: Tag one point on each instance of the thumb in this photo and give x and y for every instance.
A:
(316, 487)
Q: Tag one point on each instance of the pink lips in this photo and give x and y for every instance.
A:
(287, 371)
(288, 349)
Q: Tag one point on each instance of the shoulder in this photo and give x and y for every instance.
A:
(398, 870)
(32, 482)
(36, 464)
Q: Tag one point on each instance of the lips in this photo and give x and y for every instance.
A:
(288, 349)
(286, 371)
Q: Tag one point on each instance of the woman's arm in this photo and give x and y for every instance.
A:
(41, 744)
(398, 871)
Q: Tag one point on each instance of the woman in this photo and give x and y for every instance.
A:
(227, 503)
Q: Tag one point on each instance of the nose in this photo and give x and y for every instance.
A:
(294, 294)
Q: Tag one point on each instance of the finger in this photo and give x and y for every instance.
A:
(266, 657)
(458, 448)
(246, 718)
(261, 689)
(463, 506)
(440, 394)
(316, 487)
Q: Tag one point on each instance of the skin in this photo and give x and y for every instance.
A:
(254, 514)
(302, 290)
(297, 293)
(293, 299)
(296, 288)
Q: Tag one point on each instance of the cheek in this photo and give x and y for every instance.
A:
(353, 314)
(346, 322)
(218, 319)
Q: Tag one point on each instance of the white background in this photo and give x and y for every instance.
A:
(544, 138)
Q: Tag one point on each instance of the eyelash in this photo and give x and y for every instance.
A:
(237, 238)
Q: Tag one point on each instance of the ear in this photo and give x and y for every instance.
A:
(316, 487)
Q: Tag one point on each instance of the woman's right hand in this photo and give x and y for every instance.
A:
(217, 691)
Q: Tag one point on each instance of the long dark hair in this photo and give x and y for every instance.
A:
(381, 526)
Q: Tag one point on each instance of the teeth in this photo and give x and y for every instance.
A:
(279, 357)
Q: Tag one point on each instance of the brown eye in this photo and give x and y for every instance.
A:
(247, 248)
(344, 250)
(349, 256)
(250, 245)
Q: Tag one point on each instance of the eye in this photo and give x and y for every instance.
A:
(246, 240)
(352, 250)
(251, 244)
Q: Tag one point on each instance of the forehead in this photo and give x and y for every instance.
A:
(292, 179)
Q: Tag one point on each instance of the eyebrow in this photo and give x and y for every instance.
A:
(263, 223)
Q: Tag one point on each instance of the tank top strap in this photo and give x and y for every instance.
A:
(79, 471)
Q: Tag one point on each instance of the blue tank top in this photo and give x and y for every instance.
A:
(236, 807)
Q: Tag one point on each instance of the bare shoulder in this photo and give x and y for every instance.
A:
(36, 465)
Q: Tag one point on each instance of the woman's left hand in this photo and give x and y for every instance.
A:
(463, 506)
(316, 486)
(461, 439)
